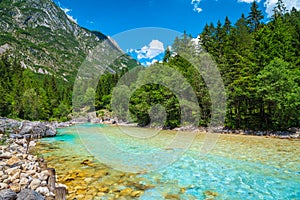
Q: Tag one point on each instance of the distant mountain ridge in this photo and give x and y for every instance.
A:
(43, 39)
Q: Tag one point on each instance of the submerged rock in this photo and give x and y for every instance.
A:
(126, 192)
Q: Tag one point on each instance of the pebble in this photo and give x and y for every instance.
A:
(126, 192)
(35, 183)
(13, 160)
(43, 190)
(15, 187)
(21, 173)
(3, 186)
(5, 155)
(24, 181)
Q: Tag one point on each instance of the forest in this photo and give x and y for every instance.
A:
(259, 65)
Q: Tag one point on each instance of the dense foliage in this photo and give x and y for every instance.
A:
(259, 64)
(31, 96)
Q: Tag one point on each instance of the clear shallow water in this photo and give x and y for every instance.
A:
(239, 167)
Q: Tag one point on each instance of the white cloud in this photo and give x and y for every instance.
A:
(196, 41)
(67, 11)
(150, 51)
(196, 5)
(270, 4)
(151, 63)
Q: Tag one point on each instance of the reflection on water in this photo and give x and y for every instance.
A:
(239, 167)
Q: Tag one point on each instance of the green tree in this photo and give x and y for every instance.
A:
(255, 17)
(167, 55)
(31, 104)
(279, 10)
(280, 93)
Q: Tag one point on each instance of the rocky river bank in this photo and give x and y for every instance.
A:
(24, 176)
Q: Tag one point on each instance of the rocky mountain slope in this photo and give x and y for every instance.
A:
(39, 35)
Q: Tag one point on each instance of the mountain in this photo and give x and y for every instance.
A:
(39, 35)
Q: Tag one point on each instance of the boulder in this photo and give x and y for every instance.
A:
(27, 194)
(8, 194)
(44, 175)
(33, 128)
(51, 132)
(37, 129)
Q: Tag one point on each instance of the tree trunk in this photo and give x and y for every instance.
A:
(52, 179)
(60, 193)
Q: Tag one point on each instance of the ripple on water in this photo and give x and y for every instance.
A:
(239, 167)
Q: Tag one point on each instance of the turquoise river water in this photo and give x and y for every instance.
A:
(238, 167)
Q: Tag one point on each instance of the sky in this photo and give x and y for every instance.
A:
(129, 21)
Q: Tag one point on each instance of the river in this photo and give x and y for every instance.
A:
(238, 166)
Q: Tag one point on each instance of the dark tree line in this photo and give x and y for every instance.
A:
(31, 96)
(259, 64)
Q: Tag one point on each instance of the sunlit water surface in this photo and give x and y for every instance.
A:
(238, 167)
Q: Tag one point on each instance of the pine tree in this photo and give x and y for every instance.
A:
(279, 10)
(167, 55)
(255, 17)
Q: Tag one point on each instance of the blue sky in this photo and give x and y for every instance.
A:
(113, 17)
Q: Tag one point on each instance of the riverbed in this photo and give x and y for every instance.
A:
(236, 167)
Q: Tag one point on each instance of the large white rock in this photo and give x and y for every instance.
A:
(23, 175)
(3, 186)
(43, 190)
(15, 175)
(15, 187)
(44, 183)
(35, 183)
(12, 171)
(5, 155)
(44, 175)
(24, 181)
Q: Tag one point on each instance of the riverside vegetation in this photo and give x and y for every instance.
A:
(259, 64)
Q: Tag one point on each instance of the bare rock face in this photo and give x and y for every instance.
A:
(37, 129)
